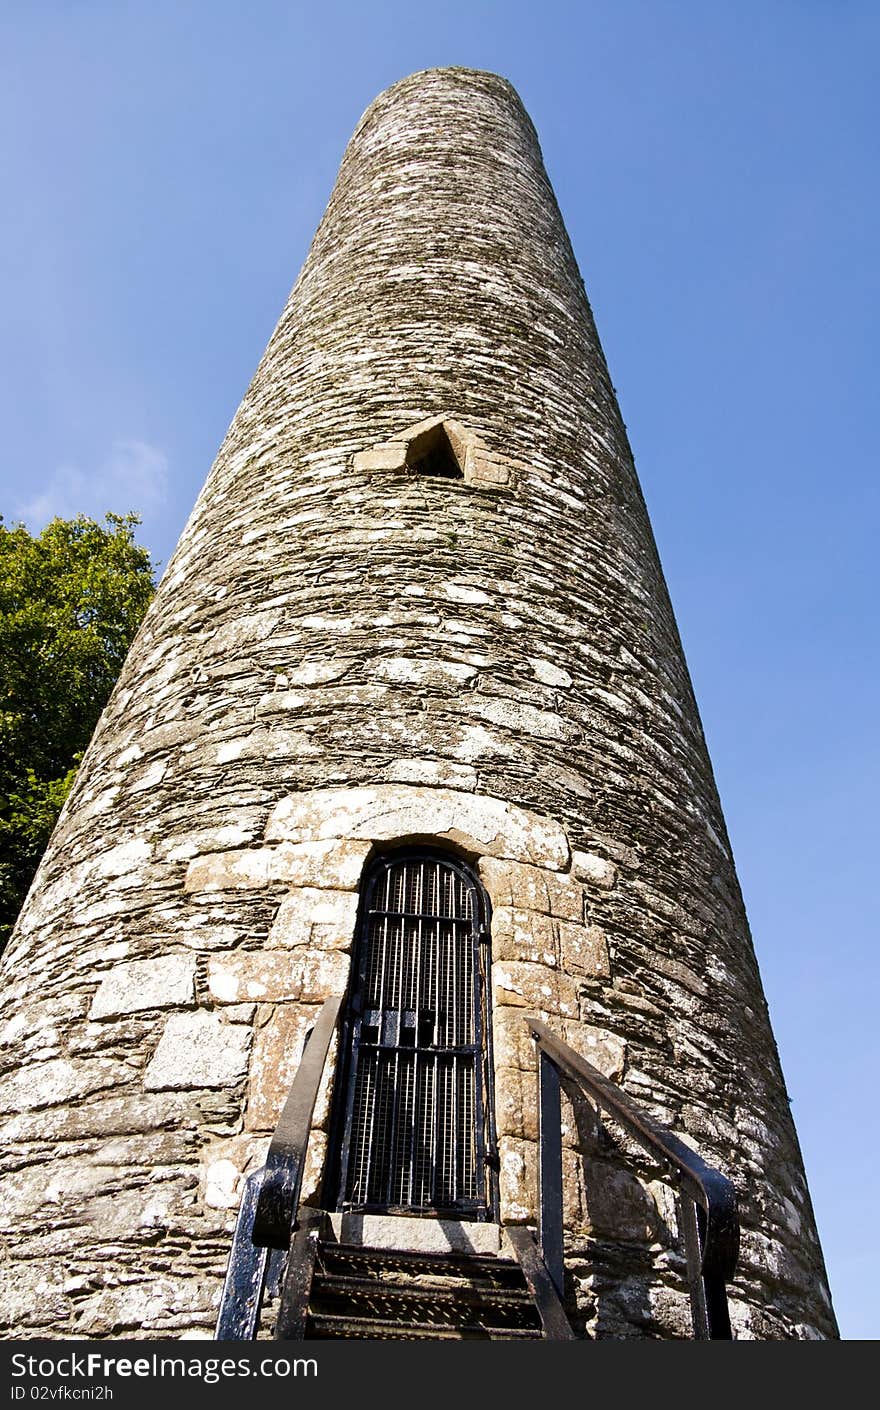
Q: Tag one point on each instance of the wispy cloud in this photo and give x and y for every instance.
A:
(132, 476)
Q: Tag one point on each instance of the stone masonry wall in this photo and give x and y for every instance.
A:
(344, 654)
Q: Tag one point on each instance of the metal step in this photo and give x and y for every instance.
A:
(323, 1325)
(404, 1293)
(427, 1268)
(452, 1290)
(443, 1306)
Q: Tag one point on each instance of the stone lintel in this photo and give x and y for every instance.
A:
(388, 455)
(389, 812)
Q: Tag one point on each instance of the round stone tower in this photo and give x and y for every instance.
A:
(417, 606)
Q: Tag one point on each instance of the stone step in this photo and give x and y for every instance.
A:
(403, 1232)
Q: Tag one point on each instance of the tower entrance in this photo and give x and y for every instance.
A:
(414, 1128)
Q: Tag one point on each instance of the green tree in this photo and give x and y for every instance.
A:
(71, 599)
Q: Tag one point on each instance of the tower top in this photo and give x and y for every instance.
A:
(428, 95)
(454, 77)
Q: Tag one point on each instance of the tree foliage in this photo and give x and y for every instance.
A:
(71, 599)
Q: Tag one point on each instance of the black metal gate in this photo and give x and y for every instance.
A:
(416, 1131)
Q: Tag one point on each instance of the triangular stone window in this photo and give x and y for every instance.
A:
(441, 449)
(433, 454)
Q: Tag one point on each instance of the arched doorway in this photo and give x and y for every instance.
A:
(414, 1131)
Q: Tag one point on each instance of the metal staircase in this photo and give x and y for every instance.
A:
(355, 1276)
(362, 1291)
(380, 1294)
(383, 1283)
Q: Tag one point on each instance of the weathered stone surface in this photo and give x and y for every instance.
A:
(517, 1179)
(516, 887)
(224, 1165)
(149, 1304)
(616, 1204)
(198, 1050)
(466, 592)
(278, 1048)
(205, 937)
(239, 1013)
(331, 864)
(512, 1040)
(235, 832)
(287, 700)
(526, 720)
(516, 1103)
(149, 777)
(490, 471)
(682, 974)
(125, 858)
(596, 871)
(316, 672)
(322, 919)
(535, 987)
(123, 1203)
(222, 1185)
(407, 670)
(549, 673)
(603, 1049)
(518, 1183)
(277, 976)
(584, 950)
(524, 935)
(440, 773)
(103, 1115)
(35, 1296)
(387, 457)
(310, 864)
(314, 1167)
(223, 871)
(168, 981)
(42, 1084)
(541, 939)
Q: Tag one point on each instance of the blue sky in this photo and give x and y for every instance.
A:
(164, 166)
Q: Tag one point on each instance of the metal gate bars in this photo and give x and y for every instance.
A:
(416, 1129)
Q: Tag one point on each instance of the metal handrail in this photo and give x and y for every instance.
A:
(282, 1178)
(711, 1224)
(270, 1199)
